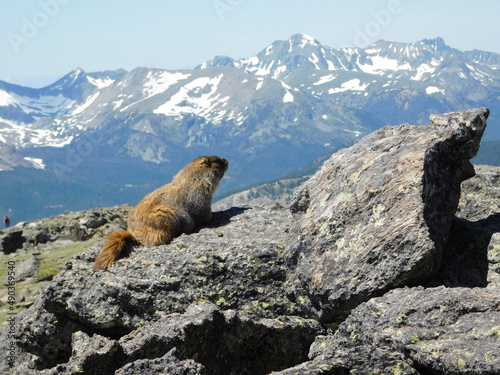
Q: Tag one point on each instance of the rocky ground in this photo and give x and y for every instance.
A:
(38, 250)
(385, 263)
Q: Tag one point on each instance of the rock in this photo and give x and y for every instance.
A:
(12, 240)
(414, 331)
(168, 364)
(73, 226)
(377, 215)
(202, 338)
(27, 269)
(91, 355)
(94, 219)
(235, 263)
(225, 343)
(478, 231)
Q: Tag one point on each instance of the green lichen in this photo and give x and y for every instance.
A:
(301, 299)
(461, 364)
(399, 369)
(414, 339)
(401, 319)
(377, 215)
(325, 367)
(221, 301)
(494, 331)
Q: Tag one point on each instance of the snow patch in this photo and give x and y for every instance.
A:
(325, 79)
(101, 83)
(196, 97)
(158, 82)
(259, 84)
(381, 64)
(433, 90)
(6, 99)
(422, 70)
(117, 104)
(87, 104)
(37, 163)
(314, 59)
(45, 105)
(306, 39)
(23, 136)
(352, 85)
(288, 98)
(278, 71)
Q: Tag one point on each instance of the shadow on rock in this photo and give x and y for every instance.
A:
(465, 257)
(223, 218)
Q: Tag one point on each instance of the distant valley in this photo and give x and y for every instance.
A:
(105, 138)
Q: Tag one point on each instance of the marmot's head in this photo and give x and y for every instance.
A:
(215, 163)
(209, 168)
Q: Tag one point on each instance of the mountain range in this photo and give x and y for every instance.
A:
(104, 138)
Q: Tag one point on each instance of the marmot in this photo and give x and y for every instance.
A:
(169, 211)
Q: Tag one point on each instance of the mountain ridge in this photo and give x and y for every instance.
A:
(269, 114)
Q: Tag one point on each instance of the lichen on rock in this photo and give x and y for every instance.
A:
(378, 214)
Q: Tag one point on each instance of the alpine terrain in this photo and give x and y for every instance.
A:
(104, 138)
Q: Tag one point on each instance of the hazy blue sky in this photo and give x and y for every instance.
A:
(42, 40)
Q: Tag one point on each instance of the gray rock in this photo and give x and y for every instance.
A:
(93, 219)
(377, 215)
(225, 343)
(95, 355)
(479, 213)
(27, 269)
(414, 331)
(12, 240)
(168, 364)
(235, 263)
(73, 226)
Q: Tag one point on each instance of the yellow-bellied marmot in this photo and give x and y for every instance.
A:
(169, 211)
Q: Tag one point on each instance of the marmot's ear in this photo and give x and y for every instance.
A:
(206, 162)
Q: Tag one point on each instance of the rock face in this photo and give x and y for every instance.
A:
(414, 331)
(476, 235)
(377, 215)
(73, 226)
(356, 281)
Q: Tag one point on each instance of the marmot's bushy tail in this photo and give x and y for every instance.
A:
(112, 248)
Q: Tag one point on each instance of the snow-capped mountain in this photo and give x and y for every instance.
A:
(268, 114)
(395, 82)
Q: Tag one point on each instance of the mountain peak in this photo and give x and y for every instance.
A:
(217, 61)
(77, 72)
(437, 44)
(302, 40)
(69, 79)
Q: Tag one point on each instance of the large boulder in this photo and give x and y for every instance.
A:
(414, 331)
(377, 215)
(235, 263)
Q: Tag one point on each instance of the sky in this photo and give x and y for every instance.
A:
(42, 40)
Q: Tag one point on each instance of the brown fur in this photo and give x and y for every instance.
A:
(169, 211)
